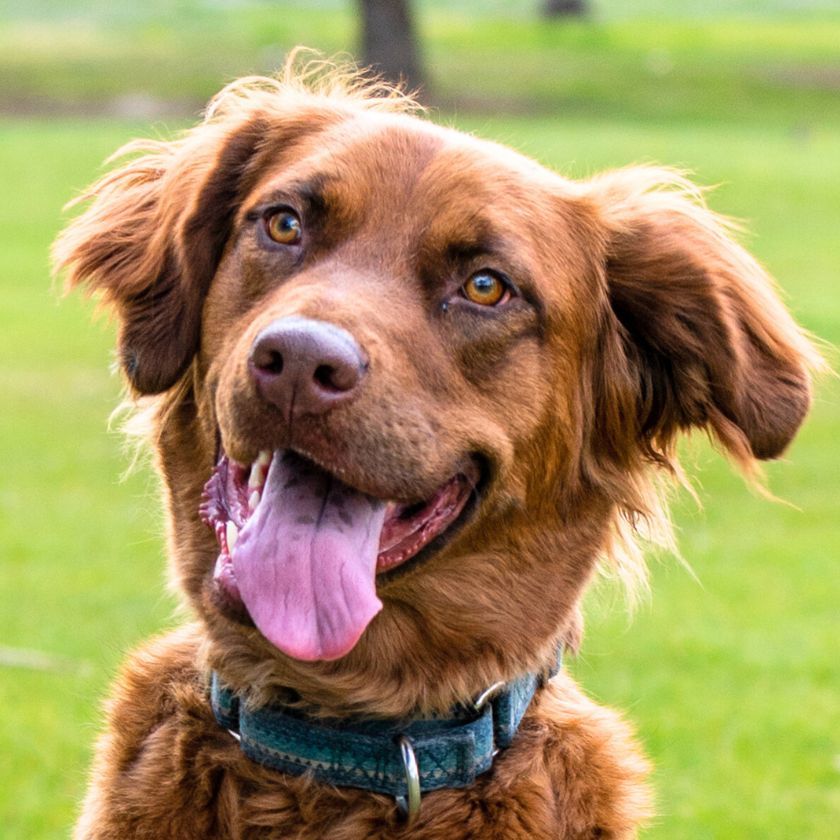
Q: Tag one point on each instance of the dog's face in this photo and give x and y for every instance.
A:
(377, 356)
(413, 379)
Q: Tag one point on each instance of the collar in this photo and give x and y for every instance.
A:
(400, 757)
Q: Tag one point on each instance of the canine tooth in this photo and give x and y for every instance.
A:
(264, 458)
(257, 476)
(253, 500)
(231, 535)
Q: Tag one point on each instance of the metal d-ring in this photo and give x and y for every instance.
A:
(488, 694)
(410, 804)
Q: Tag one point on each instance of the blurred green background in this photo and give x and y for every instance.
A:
(732, 679)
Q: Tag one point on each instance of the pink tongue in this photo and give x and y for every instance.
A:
(305, 562)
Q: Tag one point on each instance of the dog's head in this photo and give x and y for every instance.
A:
(412, 381)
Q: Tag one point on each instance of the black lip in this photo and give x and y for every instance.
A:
(437, 545)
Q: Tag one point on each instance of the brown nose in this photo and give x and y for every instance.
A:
(304, 366)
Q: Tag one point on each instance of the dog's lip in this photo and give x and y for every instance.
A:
(409, 528)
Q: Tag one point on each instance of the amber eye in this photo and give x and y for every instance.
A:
(283, 226)
(486, 288)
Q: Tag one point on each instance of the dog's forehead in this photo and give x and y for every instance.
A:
(391, 162)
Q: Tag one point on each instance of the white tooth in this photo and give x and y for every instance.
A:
(253, 500)
(256, 478)
(231, 536)
(264, 458)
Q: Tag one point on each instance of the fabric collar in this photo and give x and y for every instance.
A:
(367, 753)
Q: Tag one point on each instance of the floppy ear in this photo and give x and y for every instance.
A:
(698, 336)
(152, 238)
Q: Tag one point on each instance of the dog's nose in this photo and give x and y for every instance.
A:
(304, 366)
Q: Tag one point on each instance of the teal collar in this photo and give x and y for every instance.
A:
(402, 758)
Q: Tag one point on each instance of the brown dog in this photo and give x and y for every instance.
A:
(410, 387)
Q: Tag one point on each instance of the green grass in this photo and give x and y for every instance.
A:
(80, 572)
(731, 681)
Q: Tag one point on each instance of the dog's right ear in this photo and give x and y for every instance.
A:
(152, 238)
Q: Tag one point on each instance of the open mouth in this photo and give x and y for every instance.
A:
(300, 549)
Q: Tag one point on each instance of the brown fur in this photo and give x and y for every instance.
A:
(639, 318)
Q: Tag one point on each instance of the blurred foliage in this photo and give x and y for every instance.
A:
(147, 59)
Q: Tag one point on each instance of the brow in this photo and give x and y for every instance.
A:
(310, 193)
(466, 250)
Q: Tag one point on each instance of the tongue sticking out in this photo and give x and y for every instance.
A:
(305, 562)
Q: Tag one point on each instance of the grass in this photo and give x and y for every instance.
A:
(732, 681)
(65, 586)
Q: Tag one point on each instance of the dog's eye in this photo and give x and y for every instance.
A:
(283, 226)
(486, 288)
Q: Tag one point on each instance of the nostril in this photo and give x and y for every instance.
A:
(270, 361)
(325, 376)
(337, 377)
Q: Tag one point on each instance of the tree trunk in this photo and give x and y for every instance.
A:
(560, 8)
(389, 43)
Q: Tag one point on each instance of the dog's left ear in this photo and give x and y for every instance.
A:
(697, 336)
(151, 239)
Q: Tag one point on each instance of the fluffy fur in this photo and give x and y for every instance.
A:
(637, 317)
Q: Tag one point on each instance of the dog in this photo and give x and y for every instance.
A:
(407, 389)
